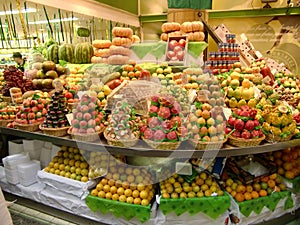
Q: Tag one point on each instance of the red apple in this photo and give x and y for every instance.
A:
(246, 134)
(239, 124)
(33, 103)
(83, 124)
(31, 116)
(84, 109)
(172, 44)
(182, 43)
(34, 109)
(90, 130)
(249, 125)
(170, 54)
(79, 116)
(177, 49)
(180, 55)
(91, 123)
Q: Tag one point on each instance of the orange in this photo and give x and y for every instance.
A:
(280, 171)
(271, 183)
(241, 188)
(254, 194)
(249, 188)
(228, 189)
(263, 193)
(289, 175)
(233, 193)
(264, 179)
(278, 162)
(273, 176)
(247, 196)
(286, 166)
(239, 197)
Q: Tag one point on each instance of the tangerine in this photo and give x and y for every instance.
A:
(289, 175)
(247, 196)
(249, 188)
(254, 194)
(263, 193)
(239, 197)
(271, 183)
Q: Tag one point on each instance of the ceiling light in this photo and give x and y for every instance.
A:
(53, 21)
(29, 10)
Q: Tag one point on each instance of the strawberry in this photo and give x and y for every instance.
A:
(252, 113)
(249, 125)
(164, 112)
(176, 120)
(239, 124)
(148, 133)
(159, 135)
(246, 134)
(176, 108)
(153, 122)
(231, 121)
(255, 134)
(172, 136)
(153, 109)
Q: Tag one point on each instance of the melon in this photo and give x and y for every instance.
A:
(66, 53)
(83, 53)
(48, 65)
(52, 53)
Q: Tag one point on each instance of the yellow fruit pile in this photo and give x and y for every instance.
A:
(288, 162)
(69, 163)
(202, 185)
(126, 184)
(263, 187)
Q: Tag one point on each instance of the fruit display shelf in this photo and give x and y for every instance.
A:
(142, 213)
(211, 206)
(141, 148)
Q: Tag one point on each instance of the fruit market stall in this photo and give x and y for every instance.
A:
(224, 137)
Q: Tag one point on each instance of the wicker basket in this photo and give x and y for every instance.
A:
(3, 123)
(120, 143)
(85, 137)
(58, 132)
(7, 99)
(241, 142)
(27, 127)
(162, 145)
(200, 145)
(272, 138)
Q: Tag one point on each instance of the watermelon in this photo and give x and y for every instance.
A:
(83, 53)
(66, 53)
(52, 53)
(83, 32)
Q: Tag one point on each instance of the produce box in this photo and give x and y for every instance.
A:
(119, 209)
(213, 206)
(176, 50)
(256, 205)
(77, 188)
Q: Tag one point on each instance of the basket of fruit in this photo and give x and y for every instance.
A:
(58, 132)
(27, 127)
(206, 145)
(279, 124)
(121, 142)
(122, 130)
(242, 142)
(87, 137)
(3, 123)
(163, 145)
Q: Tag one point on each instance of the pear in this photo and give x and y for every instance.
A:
(293, 84)
(286, 84)
(230, 92)
(238, 93)
(252, 103)
(234, 83)
(241, 103)
(233, 103)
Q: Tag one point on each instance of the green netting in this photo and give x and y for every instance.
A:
(192, 4)
(211, 206)
(158, 49)
(118, 209)
(271, 202)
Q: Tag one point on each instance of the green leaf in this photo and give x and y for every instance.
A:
(265, 132)
(63, 62)
(258, 127)
(198, 105)
(259, 106)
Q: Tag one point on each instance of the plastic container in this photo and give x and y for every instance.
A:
(11, 161)
(33, 148)
(45, 157)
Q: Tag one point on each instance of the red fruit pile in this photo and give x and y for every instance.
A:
(14, 78)
(33, 111)
(164, 122)
(87, 117)
(176, 50)
(242, 124)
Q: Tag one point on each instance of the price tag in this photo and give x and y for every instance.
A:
(192, 95)
(69, 117)
(183, 168)
(256, 92)
(227, 113)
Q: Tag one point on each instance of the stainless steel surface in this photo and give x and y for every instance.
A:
(141, 149)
